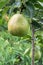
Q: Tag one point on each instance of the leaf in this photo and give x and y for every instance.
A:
(26, 51)
(3, 3)
(33, 1)
(41, 3)
(36, 24)
(38, 5)
(14, 6)
(29, 11)
(17, 4)
(40, 0)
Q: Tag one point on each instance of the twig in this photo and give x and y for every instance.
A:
(33, 45)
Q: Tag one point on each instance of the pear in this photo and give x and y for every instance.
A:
(18, 25)
(37, 54)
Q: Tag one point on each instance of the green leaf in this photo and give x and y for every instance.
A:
(29, 11)
(3, 3)
(36, 24)
(40, 0)
(41, 3)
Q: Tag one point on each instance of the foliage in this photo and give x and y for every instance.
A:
(15, 50)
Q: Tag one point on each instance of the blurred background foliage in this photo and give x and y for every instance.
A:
(15, 50)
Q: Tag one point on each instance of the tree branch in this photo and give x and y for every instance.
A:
(33, 45)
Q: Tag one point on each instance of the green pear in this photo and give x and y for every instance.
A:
(37, 54)
(18, 25)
